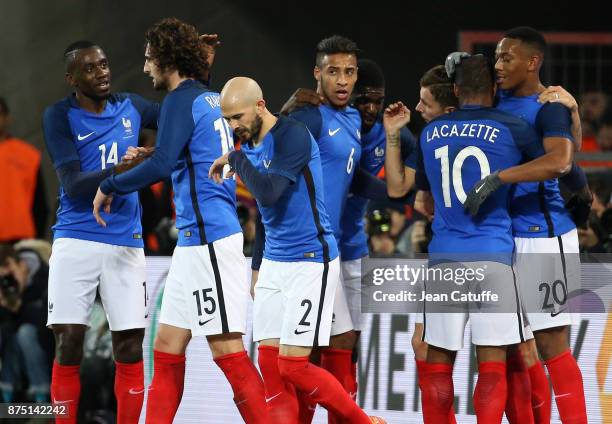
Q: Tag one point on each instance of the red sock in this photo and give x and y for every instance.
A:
(166, 389)
(338, 363)
(491, 392)
(354, 376)
(247, 385)
(307, 406)
(438, 393)
(518, 402)
(322, 387)
(66, 390)
(129, 391)
(567, 384)
(540, 394)
(421, 367)
(280, 397)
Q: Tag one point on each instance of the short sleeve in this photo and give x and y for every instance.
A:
(311, 117)
(58, 135)
(292, 151)
(408, 148)
(554, 120)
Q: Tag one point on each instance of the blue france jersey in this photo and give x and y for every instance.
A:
(354, 242)
(458, 150)
(192, 134)
(97, 141)
(537, 209)
(297, 226)
(337, 133)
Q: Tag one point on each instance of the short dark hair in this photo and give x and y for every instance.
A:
(174, 44)
(440, 86)
(72, 49)
(370, 75)
(528, 36)
(4, 109)
(475, 75)
(335, 44)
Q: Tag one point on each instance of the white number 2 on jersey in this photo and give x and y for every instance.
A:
(442, 154)
(112, 155)
(227, 140)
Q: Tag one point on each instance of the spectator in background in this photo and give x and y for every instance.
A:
(604, 131)
(379, 231)
(25, 346)
(24, 207)
(593, 104)
(596, 235)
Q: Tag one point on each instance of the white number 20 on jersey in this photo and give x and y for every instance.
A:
(442, 154)
(112, 155)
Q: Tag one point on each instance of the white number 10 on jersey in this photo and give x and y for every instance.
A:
(442, 154)
(112, 155)
(227, 140)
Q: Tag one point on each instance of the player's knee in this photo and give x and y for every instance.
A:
(69, 343)
(552, 342)
(128, 350)
(343, 341)
(419, 348)
(225, 344)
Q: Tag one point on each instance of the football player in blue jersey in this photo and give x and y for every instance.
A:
(496, 140)
(294, 288)
(337, 129)
(206, 291)
(86, 134)
(545, 234)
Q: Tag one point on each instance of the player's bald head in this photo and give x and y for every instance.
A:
(240, 92)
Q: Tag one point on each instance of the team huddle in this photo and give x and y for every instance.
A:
(486, 169)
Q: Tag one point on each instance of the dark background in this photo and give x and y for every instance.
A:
(271, 41)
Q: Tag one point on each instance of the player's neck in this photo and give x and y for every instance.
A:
(268, 121)
(174, 80)
(484, 100)
(89, 104)
(528, 88)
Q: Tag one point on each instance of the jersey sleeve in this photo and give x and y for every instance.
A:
(526, 140)
(176, 126)
(311, 117)
(58, 136)
(149, 111)
(554, 120)
(408, 148)
(292, 151)
(420, 178)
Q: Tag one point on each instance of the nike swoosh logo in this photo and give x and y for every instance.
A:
(333, 133)
(554, 314)
(353, 395)
(61, 402)
(83, 137)
(136, 392)
(539, 405)
(563, 395)
(297, 333)
(480, 188)
(275, 396)
(203, 323)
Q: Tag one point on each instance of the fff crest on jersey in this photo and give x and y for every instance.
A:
(379, 152)
(127, 126)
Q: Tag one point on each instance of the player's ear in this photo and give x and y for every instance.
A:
(261, 106)
(456, 90)
(70, 79)
(317, 73)
(533, 63)
(449, 109)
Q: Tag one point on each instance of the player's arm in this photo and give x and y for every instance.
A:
(65, 157)
(175, 128)
(149, 111)
(311, 117)
(557, 94)
(300, 98)
(400, 178)
(368, 186)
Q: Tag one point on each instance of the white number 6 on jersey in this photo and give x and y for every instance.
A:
(351, 161)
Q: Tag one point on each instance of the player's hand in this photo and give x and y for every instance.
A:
(101, 201)
(481, 191)
(558, 94)
(579, 207)
(424, 204)
(395, 117)
(301, 97)
(216, 169)
(137, 152)
(210, 43)
(254, 276)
